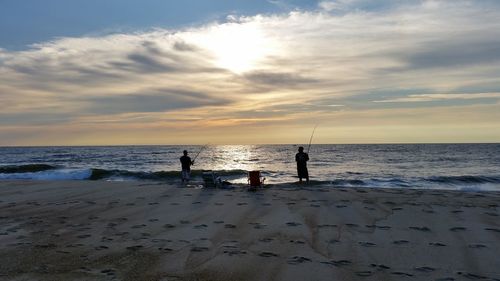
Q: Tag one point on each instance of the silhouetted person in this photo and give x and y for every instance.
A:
(186, 166)
(301, 158)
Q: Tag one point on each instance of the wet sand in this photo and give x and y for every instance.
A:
(94, 230)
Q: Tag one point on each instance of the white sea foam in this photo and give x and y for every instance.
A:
(59, 174)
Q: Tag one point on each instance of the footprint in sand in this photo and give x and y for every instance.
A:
(153, 220)
(259, 226)
(491, 214)
(293, 224)
(199, 249)
(437, 244)
(445, 279)
(458, 228)
(168, 225)
(298, 259)
(457, 211)
(383, 227)
(400, 242)
(425, 269)
(153, 203)
(341, 206)
(300, 242)
(134, 248)
(471, 275)
(399, 273)
(99, 248)
(195, 203)
(266, 240)
(351, 225)
(268, 254)
(315, 205)
(184, 222)
(477, 246)
(218, 204)
(428, 211)
(109, 272)
(266, 204)
(200, 226)
(235, 252)
(138, 226)
(326, 225)
(493, 229)
(380, 266)
(365, 273)
(165, 250)
(367, 244)
(420, 228)
(228, 225)
(337, 262)
(242, 204)
(84, 236)
(174, 204)
(333, 241)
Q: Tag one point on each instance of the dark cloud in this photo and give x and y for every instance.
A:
(35, 118)
(184, 47)
(454, 53)
(155, 101)
(288, 80)
(146, 63)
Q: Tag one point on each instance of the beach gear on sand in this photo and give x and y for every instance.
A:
(255, 180)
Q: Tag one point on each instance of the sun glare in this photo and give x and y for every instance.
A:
(238, 47)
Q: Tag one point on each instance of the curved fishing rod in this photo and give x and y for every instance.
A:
(202, 148)
(310, 139)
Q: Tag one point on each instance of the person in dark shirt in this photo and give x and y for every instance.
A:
(301, 158)
(186, 166)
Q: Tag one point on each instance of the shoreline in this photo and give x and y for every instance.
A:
(138, 230)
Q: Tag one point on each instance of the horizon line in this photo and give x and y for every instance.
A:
(293, 144)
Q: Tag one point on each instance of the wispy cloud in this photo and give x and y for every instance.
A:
(441, 97)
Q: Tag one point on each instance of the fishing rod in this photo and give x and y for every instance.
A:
(203, 148)
(310, 139)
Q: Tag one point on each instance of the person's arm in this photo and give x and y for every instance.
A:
(296, 157)
(307, 157)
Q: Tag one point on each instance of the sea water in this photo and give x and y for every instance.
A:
(428, 166)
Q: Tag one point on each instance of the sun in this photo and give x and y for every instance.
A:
(237, 47)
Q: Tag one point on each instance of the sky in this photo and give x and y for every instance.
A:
(120, 72)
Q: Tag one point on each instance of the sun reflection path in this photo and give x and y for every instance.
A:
(235, 157)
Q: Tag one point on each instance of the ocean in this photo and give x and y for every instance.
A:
(428, 166)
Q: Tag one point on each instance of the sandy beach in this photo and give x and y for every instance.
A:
(97, 230)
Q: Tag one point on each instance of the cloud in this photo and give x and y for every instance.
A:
(331, 61)
(443, 97)
(160, 100)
